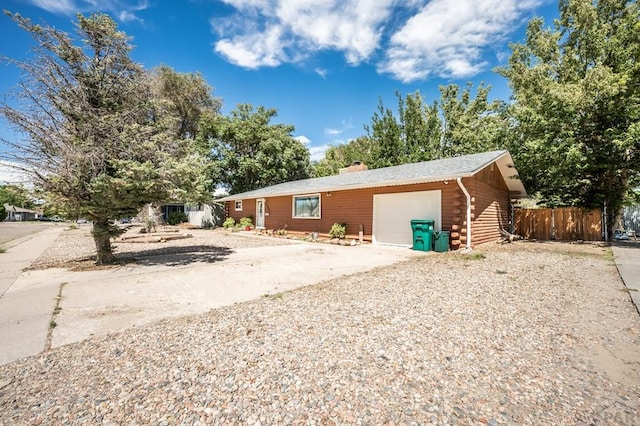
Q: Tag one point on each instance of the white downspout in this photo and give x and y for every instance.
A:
(466, 194)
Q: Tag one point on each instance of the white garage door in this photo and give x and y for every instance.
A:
(392, 215)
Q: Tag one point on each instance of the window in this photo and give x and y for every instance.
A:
(239, 206)
(306, 206)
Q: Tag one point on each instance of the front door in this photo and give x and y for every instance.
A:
(259, 213)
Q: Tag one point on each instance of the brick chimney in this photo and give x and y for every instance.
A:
(357, 166)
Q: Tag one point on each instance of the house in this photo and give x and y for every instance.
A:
(470, 196)
(19, 214)
(199, 215)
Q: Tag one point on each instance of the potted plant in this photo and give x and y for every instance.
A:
(245, 223)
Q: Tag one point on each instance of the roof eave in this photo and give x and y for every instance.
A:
(349, 187)
(503, 160)
(510, 175)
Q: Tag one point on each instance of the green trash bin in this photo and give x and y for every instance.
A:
(441, 241)
(422, 234)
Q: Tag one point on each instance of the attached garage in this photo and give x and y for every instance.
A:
(392, 215)
(468, 196)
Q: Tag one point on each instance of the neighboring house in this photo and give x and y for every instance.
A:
(469, 196)
(19, 214)
(205, 215)
(202, 215)
(631, 218)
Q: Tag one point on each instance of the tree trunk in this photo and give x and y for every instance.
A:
(102, 238)
(616, 203)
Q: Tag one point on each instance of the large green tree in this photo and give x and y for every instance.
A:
(385, 133)
(97, 137)
(17, 196)
(456, 124)
(248, 152)
(471, 124)
(576, 102)
(343, 155)
(421, 127)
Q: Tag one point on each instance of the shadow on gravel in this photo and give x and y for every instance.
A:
(176, 256)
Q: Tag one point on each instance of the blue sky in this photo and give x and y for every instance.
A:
(322, 64)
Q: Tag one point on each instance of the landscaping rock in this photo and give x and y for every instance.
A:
(528, 333)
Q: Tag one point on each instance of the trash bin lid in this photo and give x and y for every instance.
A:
(423, 221)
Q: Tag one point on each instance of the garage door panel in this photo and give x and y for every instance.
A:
(392, 214)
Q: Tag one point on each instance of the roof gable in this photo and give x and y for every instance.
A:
(423, 172)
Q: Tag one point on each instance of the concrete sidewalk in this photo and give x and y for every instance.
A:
(25, 310)
(99, 302)
(627, 258)
(21, 253)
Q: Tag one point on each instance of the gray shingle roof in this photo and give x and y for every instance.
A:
(428, 171)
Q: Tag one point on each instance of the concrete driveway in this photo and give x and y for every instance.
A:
(54, 307)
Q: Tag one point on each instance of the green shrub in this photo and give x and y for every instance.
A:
(245, 221)
(3, 213)
(338, 230)
(176, 218)
(229, 223)
(149, 225)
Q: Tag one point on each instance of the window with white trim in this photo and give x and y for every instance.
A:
(306, 206)
(238, 205)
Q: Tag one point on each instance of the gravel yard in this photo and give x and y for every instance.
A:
(75, 247)
(527, 333)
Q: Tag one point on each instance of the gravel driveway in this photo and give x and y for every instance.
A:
(523, 333)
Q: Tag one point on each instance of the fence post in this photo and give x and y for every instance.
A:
(604, 222)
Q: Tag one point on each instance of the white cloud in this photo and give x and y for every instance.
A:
(332, 132)
(124, 10)
(321, 72)
(254, 50)
(417, 39)
(449, 38)
(298, 28)
(11, 175)
(317, 152)
(303, 139)
(346, 125)
(65, 7)
(126, 16)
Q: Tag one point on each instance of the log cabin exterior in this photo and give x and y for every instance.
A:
(466, 195)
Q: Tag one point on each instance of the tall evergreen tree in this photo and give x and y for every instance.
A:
(96, 138)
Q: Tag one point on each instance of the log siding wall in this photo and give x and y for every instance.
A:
(490, 207)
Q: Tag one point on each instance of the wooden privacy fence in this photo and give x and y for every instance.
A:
(563, 224)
